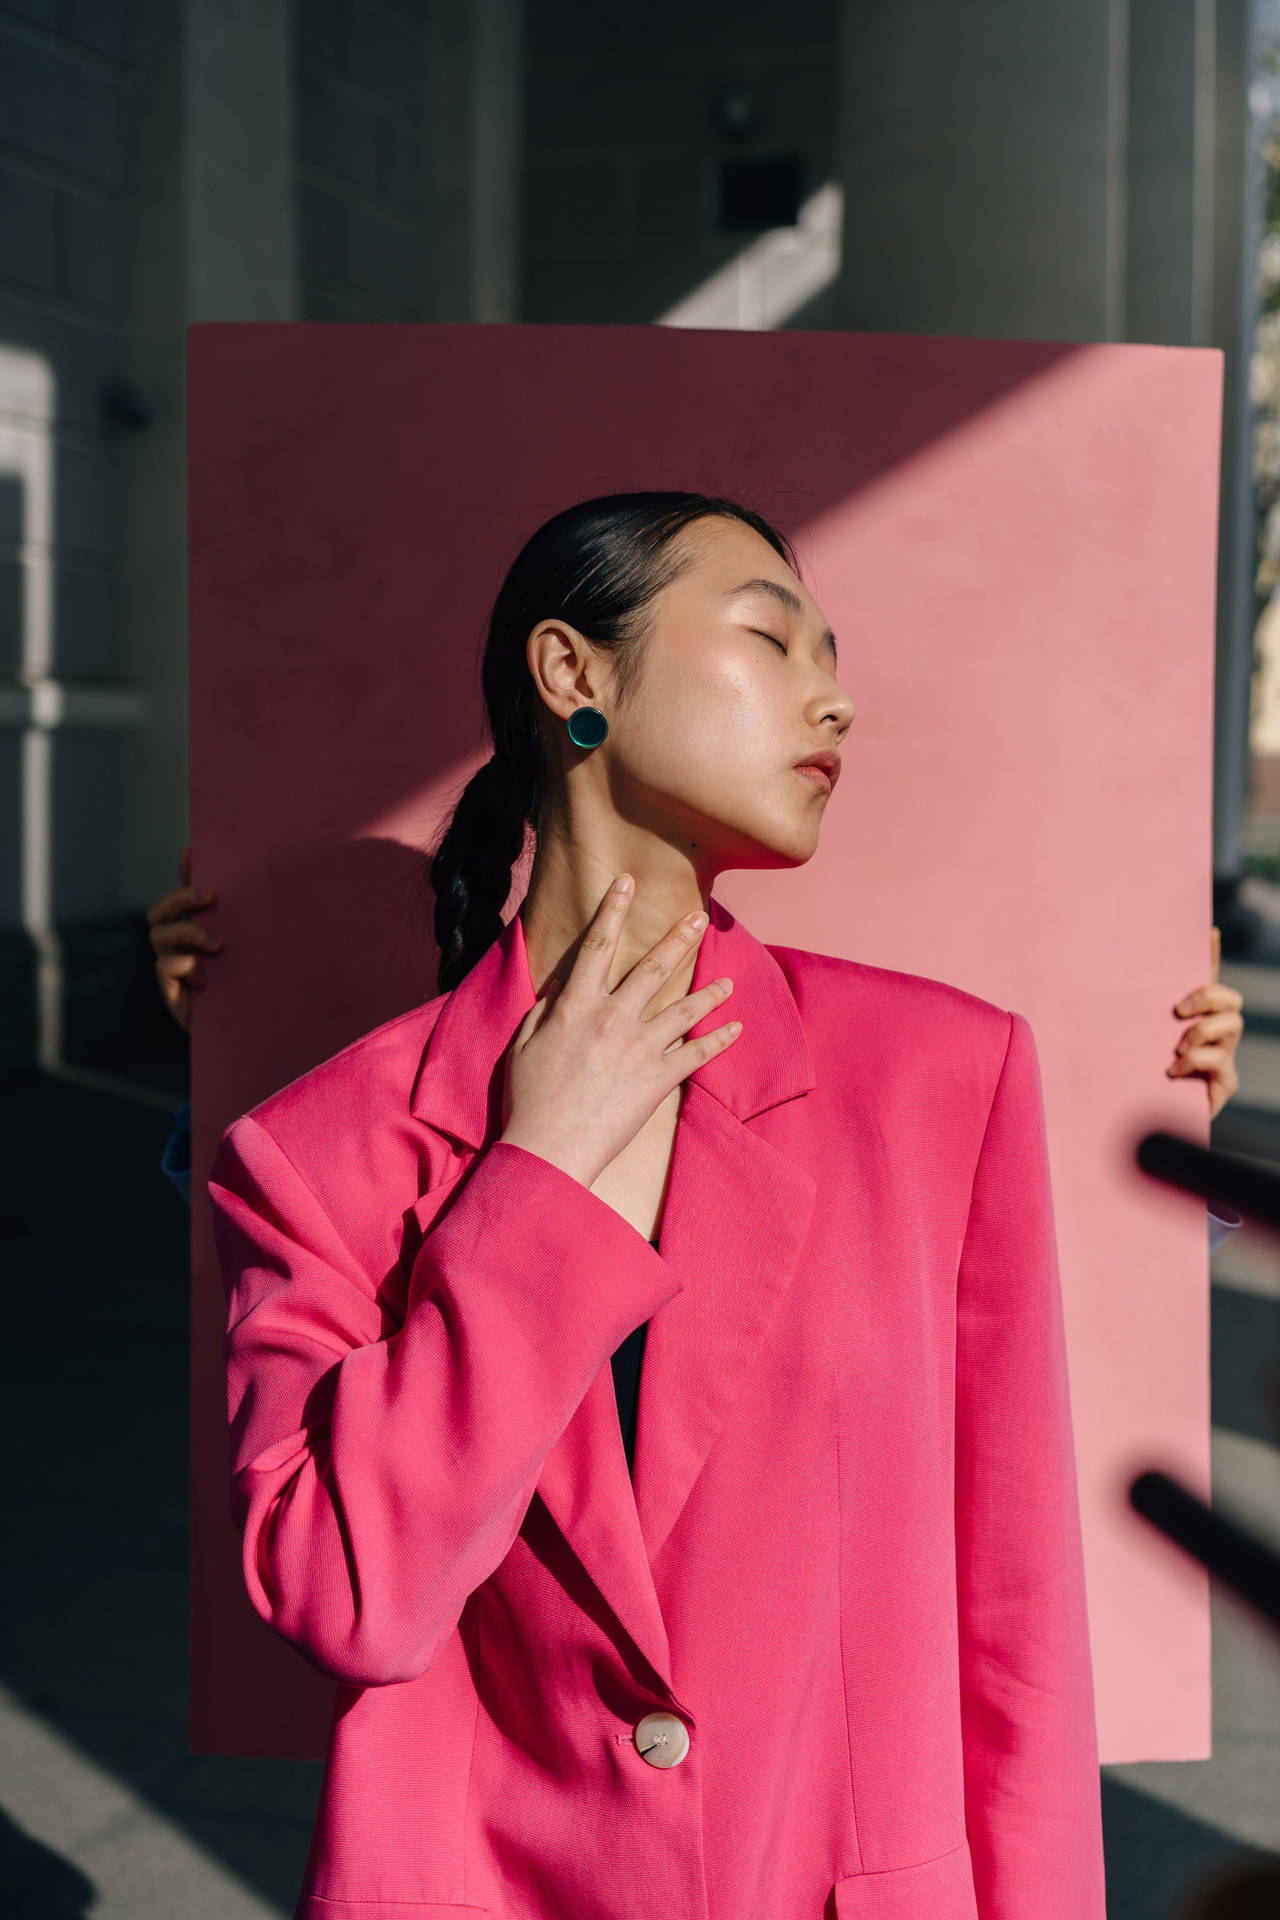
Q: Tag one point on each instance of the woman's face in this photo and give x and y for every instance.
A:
(738, 684)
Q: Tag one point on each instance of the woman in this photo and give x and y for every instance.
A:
(817, 1644)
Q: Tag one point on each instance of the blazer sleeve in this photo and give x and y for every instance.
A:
(378, 1478)
(1031, 1778)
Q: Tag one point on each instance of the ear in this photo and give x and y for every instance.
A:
(558, 657)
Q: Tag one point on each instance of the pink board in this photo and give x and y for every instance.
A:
(1015, 543)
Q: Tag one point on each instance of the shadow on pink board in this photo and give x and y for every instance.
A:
(1015, 543)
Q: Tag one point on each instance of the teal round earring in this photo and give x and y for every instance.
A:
(587, 726)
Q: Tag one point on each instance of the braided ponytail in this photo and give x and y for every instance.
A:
(471, 870)
(597, 566)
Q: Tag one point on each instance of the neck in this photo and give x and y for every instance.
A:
(563, 897)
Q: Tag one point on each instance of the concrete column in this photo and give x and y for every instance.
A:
(214, 239)
(1234, 245)
(147, 170)
(981, 150)
(1168, 272)
(1071, 173)
(237, 73)
(1195, 207)
(474, 139)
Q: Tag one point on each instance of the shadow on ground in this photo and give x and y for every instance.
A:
(93, 1608)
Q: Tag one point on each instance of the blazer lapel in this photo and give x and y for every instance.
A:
(736, 1216)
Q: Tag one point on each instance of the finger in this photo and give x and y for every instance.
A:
(177, 1000)
(681, 1015)
(688, 1058)
(184, 936)
(1209, 997)
(599, 944)
(1218, 996)
(1214, 1026)
(181, 936)
(653, 969)
(165, 907)
(181, 900)
(1198, 1060)
(178, 966)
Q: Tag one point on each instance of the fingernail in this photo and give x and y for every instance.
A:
(623, 883)
(697, 921)
(1183, 1006)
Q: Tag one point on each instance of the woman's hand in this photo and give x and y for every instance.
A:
(1207, 1050)
(177, 941)
(589, 1065)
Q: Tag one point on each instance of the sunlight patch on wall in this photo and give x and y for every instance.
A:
(770, 280)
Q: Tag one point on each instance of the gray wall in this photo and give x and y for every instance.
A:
(1010, 169)
(359, 77)
(145, 181)
(1071, 173)
(164, 162)
(66, 90)
(623, 144)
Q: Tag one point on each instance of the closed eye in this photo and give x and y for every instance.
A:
(770, 636)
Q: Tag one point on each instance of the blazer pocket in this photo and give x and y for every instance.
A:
(314, 1906)
(939, 1889)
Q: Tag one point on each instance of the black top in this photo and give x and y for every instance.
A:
(626, 1382)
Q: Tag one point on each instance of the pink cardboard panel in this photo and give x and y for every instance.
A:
(1015, 543)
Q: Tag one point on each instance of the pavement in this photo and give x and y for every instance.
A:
(105, 1812)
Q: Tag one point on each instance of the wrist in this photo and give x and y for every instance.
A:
(568, 1162)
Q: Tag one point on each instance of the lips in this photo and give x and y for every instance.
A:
(816, 776)
(824, 765)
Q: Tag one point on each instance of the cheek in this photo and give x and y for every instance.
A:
(717, 706)
(706, 733)
(711, 735)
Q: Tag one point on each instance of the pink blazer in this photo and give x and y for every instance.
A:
(827, 1655)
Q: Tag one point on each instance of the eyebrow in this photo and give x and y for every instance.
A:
(786, 596)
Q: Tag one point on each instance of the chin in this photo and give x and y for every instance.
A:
(784, 850)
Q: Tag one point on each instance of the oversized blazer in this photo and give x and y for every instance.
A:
(826, 1653)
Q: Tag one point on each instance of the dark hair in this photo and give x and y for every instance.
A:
(597, 566)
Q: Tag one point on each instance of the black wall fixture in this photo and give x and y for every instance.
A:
(761, 192)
